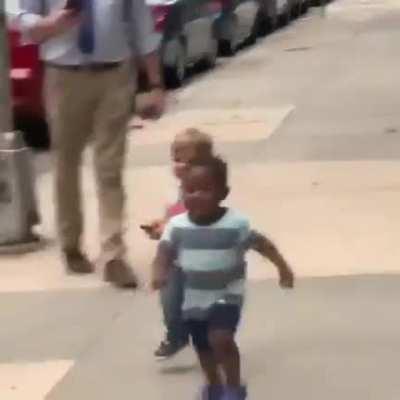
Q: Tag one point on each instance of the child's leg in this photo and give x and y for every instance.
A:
(171, 301)
(199, 332)
(214, 389)
(224, 319)
(209, 366)
(226, 352)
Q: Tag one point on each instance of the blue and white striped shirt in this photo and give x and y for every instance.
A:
(212, 259)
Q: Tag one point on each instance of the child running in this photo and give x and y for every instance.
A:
(188, 146)
(208, 244)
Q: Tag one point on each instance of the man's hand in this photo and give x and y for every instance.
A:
(286, 278)
(155, 105)
(54, 24)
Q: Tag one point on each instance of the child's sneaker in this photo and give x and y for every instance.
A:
(169, 349)
(212, 392)
(233, 393)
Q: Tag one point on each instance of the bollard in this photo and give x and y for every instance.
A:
(18, 208)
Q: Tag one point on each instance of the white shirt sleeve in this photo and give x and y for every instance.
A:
(30, 15)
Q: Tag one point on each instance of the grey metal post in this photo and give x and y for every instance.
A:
(18, 210)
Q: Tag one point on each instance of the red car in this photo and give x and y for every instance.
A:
(26, 76)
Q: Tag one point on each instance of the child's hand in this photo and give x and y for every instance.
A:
(286, 278)
(154, 230)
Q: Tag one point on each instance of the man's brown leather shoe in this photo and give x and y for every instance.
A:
(120, 274)
(77, 263)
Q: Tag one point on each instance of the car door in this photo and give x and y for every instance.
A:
(197, 28)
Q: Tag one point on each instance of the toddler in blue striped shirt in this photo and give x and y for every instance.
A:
(208, 243)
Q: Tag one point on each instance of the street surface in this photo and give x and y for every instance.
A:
(309, 121)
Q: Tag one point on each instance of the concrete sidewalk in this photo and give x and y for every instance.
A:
(330, 218)
(330, 338)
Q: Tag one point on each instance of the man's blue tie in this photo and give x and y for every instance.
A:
(86, 40)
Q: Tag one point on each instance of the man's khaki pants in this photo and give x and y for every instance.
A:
(95, 105)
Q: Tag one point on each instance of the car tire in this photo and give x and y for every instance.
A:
(213, 54)
(210, 59)
(254, 30)
(296, 10)
(175, 75)
(229, 47)
(262, 25)
(284, 19)
(305, 7)
(272, 23)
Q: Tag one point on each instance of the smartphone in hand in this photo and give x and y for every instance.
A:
(73, 5)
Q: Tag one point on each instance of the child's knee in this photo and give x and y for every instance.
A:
(222, 342)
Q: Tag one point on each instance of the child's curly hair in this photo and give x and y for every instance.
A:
(217, 167)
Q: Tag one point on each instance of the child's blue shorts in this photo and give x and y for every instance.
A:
(221, 317)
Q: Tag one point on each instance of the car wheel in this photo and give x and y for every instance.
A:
(213, 55)
(272, 23)
(284, 19)
(268, 19)
(305, 7)
(229, 47)
(175, 75)
(262, 25)
(210, 59)
(254, 30)
(295, 9)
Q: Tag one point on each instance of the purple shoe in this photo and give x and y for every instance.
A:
(212, 392)
(233, 393)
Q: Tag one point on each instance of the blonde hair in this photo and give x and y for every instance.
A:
(193, 138)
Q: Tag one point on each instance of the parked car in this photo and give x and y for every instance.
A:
(188, 35)
(237, 24)
(26, 75)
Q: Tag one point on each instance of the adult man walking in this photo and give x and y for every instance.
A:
(86, 46)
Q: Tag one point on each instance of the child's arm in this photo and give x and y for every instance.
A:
(162, 265)
(262, 245)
